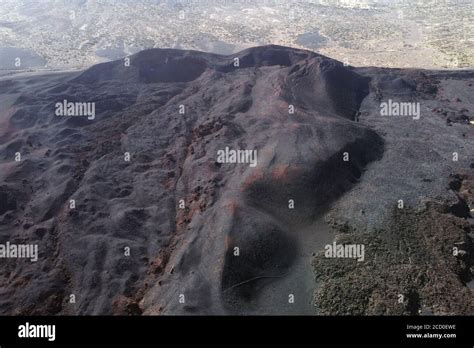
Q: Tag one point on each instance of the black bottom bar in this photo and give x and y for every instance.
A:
(226, 330)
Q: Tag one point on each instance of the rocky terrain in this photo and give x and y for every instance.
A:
(75, 34)
(133, 213)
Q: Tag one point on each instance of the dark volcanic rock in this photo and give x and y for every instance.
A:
(129, 245)
(413, 257)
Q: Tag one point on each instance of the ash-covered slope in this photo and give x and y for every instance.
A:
(158, 222)
(413, 208)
